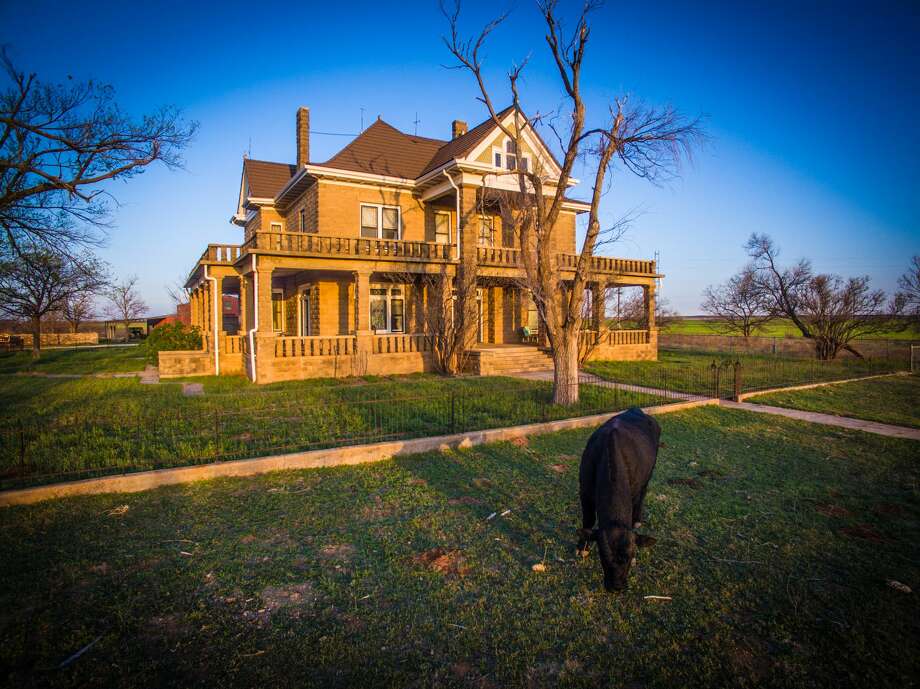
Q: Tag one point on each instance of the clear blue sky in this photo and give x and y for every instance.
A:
(811, 107)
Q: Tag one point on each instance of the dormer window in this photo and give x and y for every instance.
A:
(510, 154)
(506, 157)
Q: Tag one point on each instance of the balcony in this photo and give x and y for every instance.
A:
(314, 245)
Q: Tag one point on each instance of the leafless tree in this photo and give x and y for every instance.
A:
(738, 304)
(125, 304)
(77, 308)
(827, 309)
(649, 142)
(38, 282)
(176, 291)
(907, 300)
(634, 312)
(58, 144)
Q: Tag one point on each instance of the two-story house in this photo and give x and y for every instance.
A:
(335, 271)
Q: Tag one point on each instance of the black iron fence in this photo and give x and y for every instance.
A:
(253, 422)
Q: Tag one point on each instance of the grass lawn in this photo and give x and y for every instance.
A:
(691, 371)
(782, 327)
(888, 400)
(776, 543)
(76, 360)
(72, 429)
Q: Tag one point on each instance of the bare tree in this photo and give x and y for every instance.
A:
(827, 309)
(77, 308)
(738, 304)
(39, 281)
(634, 311)
(649, 142)
(175, 290)
(58, 144)
(125, 304)
(907, 300)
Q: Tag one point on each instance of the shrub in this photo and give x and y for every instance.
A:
(170, 337)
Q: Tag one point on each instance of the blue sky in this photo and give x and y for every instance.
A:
(810, 107)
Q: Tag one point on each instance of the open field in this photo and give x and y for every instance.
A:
(776, 543)
(782, 327)
(894, 400)
(61, 429)
(76, 360)
(691, 371)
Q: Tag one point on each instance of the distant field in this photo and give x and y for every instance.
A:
(779, 328)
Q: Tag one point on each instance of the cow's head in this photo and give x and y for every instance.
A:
(616, 547)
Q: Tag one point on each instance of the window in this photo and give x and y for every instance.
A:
(387, 309)
(278, 310)
(277, 227)
(498, 158)
(379, 222)
(442, 227)
(511, 155)
(507, 157)
(533, 320)
(302, 218)
(486, 231)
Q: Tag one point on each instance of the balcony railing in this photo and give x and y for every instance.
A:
(499, 256)
(315, 346)
(398, 344)
(614, 337)
(605, 264)
(221, 253)
(304, 244)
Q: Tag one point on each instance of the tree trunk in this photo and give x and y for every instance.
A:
(36, 337)
(565, 369)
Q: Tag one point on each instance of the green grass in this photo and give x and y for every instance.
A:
(692, 371)
(76, 361)
(776, 557)
(782, 327)
(72, 429)
(888, 400)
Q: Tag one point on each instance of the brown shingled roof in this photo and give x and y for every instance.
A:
(381, 149)
(462, 145)
(266, 179)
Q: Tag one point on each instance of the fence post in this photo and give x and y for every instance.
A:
(737, 380)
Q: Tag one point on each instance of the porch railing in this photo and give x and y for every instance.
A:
(222, 253)
(233, 344)
(315, 346)
(498, 256)
(398, 344)
(606, 264)
(307, 244)
(615, 337)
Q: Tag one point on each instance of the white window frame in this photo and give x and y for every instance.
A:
(301, 291)
(388, 301)
(491, 220)
(279, 290)
(447, 239)
(380, 208)
(277, 227)
(302, 219)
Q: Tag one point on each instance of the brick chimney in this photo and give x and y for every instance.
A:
(458, 128)
(303, 137)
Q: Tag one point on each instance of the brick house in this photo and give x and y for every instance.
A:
(337, 261)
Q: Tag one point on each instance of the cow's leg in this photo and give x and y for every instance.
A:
(588, 517)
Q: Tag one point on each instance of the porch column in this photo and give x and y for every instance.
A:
(244, 310)
(363, 335)
(193, 306)
(469, 259)
(649, 293)
(264, 297)
(219, 298)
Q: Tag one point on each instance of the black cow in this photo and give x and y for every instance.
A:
(615, 470)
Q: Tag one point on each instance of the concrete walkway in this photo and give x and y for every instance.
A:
(829, 420)
(591, 379)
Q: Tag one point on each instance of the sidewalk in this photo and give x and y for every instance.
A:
(591, 379)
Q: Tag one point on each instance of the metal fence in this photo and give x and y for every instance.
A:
(252, 423)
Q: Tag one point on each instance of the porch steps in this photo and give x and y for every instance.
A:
(502, 360)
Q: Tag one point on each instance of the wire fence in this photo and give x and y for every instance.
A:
(254, 422)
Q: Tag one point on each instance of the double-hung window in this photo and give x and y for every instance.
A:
(486, 230)
(508, 158)
(302, 219)
(442, 227)
(379, 222)
(388, 308)
(278, 310)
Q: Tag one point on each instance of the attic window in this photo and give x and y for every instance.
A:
(507, 158)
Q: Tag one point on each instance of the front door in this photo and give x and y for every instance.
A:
(305, 321)
(479, 312)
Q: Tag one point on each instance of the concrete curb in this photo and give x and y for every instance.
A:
(792, 388)
(337, 456)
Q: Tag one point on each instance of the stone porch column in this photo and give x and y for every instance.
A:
(264, 297)
(363, 334)
(469, 259)
(649, 293)
(193, 307)
(219, 298)
(244, 307)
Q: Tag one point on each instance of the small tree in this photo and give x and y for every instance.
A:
(738, 304)
(830, 311)
(634, 313)
(76, 309)
(908, 297)
(58, 144)
(125, 304)
(39, 282)
(445, 318)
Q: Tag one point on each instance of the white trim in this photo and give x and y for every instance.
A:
(255, 317)
(503, 152)
(217, 298)
(272, 225)
(380, 208)
(301, 291)
(532, 142)
(388, 299)
(318, 170)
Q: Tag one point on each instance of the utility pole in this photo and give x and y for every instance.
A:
(415, 122)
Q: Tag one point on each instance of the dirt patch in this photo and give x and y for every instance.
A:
(339, 552)
(464, 500)
(864, 532)
(829, 509)
(693, 483)
(376, 510)
(482, 483)
(248, 538)
(520, 441)
(294, 599)
(443, 561)
(418, 482)
(558, 468)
